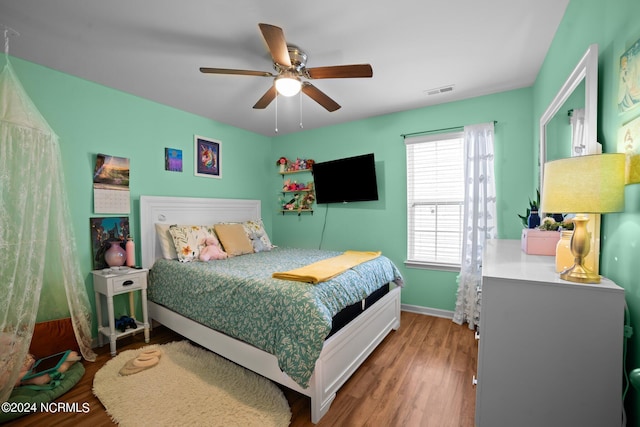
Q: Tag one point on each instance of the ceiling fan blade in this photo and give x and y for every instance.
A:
(208, 70)
(274, 36)
(320, 97)
(266, 99)
(340, 71)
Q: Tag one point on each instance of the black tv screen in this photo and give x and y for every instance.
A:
(352, 179)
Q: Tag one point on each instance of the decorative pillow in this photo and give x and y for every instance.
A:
(234, 239)
(188, 240)
(259, 238)
(166, 241)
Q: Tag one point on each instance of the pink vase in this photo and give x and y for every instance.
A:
(115, 256)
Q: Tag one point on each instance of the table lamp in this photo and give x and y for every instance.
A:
(583, 185)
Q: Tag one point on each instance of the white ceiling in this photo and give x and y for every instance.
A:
(154, 48)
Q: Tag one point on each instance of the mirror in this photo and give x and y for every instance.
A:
(568, 127)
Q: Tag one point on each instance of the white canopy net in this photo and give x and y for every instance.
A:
(36, 236)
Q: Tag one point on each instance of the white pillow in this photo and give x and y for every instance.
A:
(166, 241)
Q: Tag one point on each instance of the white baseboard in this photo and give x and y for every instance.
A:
(447, 314)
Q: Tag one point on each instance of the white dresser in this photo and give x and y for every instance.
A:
(550, 351)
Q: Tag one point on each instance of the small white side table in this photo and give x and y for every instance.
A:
(115, 281)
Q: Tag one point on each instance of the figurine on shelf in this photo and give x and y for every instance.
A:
(282, 162)
(292, 204)
(289, 185)
(310, 163)
(306, 202)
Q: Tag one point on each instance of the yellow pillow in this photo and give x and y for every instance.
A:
(234, 239)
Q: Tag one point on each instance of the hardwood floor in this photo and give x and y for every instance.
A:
(419, 376)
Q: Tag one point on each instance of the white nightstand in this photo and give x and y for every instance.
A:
(115, 281)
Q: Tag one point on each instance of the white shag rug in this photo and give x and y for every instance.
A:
(189, 386)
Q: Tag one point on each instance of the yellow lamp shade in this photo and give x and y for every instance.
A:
(633, 169)
(584, 184)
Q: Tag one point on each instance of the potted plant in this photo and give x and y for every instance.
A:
(531, 219)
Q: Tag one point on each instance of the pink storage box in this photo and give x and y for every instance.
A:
(539, 242)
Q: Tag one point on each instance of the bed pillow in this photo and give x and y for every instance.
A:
(188, 240)
(234, 239)
(166, 241)
(259, 238)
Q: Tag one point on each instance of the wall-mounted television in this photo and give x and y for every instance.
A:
(352, 179)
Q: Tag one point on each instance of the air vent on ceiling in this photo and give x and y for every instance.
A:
(438, 90)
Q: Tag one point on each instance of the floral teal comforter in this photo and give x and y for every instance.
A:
(288, 319)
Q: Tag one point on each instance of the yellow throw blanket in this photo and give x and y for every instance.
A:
(326, 269)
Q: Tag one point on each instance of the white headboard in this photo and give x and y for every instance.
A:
(187, 211)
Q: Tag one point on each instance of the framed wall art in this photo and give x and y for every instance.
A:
(629, 79)
(103, 231)
(207, 157)
(173, 159)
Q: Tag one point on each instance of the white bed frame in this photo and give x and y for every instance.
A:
(342, 353)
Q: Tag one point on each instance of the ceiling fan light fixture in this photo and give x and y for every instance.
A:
(288, 84)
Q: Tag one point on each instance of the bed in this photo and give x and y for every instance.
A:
(363, 324)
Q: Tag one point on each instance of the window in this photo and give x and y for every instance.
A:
(435, 200)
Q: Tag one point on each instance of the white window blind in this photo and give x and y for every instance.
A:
(435, 198)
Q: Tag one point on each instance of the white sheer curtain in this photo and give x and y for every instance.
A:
(479, 219)
(35, 230)
(578, 147)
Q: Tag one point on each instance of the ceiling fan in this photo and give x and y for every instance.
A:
(289, 61)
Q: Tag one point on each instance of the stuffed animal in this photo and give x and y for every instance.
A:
(29, 361)
(256, 241)
(307, 201)
(212, 250)
(125, 322)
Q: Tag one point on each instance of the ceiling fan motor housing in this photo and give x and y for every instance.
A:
(298, 59)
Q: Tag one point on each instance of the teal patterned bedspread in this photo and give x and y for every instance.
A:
(288, 319)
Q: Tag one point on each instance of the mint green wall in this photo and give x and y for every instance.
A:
(91, 119)
(615, 26)
(381, 225)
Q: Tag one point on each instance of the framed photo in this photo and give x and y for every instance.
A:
(103, 231)
(207, 158)
(629, 79)
(172, 159)
(629, 144)
(629, 138)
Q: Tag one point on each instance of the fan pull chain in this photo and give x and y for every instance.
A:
(300, 97)
(276, 114)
